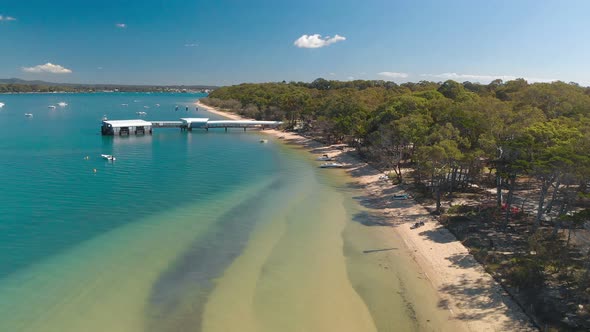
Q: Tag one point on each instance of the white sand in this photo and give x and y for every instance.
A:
(472, 296)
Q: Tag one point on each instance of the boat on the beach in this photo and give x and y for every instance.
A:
(331, 165)
(29, 115)
(108, 157)
(62, 104)
(263, 141)
(325, 158)
(51, 107)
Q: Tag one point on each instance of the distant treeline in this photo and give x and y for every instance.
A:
(44, 88)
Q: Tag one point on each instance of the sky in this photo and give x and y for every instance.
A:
(220, 42)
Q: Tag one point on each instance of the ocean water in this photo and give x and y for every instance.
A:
(186, 231)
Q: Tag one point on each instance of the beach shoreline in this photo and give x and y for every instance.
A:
(474, 299)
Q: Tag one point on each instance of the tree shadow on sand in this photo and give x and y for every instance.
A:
(439, 236)
(481, 299)
(463, 261)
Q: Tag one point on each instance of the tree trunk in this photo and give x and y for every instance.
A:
(556, 227)
(438, 197)
(453, 178)
(544, 188)
(553, 197)
(498, 189)
(512, 184)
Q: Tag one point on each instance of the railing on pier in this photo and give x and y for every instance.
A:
(167, 124)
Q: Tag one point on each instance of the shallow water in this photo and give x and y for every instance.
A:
(199, 231)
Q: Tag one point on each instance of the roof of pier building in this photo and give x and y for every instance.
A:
(194, 120)
(127, 123)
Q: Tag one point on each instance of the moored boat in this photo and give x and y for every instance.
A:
(108, 157)
(325, 158)
(331, 165)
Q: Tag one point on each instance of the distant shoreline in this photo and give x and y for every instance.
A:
(80, 92)
(432, 246)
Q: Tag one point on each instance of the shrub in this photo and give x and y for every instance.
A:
(526, 273)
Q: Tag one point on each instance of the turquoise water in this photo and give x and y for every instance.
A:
(186, 231)
(54, 198)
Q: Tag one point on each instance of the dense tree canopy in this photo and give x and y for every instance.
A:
(445, 131)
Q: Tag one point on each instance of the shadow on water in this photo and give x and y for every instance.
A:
(178, 297)
(377, 250)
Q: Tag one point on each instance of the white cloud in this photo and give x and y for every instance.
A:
(47, 68)
(350, 78)
(316, 41)
(191, 45)
(332, 74)
(6, 18)
(391, 74)
(485, 78)
(121, 25)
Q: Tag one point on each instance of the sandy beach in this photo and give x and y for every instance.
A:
(474, 299)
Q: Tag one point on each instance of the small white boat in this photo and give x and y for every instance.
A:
(141, 113)
(51, 107)
(157, 105)
(104, 117)
(124, 104)
(263, 141)
(325, 158)
(62, 104)
(331, 165)
(146, 106)
(2, 105)
(108, 157)
(136, 101)
(29, 115)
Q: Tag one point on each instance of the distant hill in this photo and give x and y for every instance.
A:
(103, 86)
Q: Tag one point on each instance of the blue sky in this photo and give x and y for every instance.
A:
(227, 42)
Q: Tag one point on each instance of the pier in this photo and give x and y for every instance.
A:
(142, 127)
